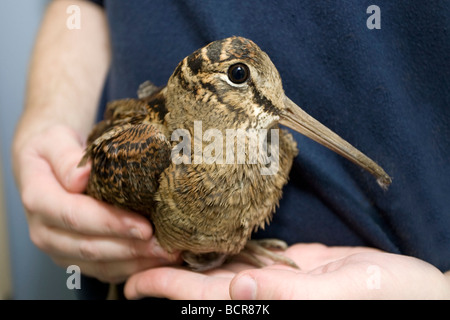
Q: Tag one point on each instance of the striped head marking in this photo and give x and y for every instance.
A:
(232, 78)
(231, 84)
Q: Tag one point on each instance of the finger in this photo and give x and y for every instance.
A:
(83, 214)
(309, 256)
(42, 193)
(336, 280)
(283, 284)
(111, 271)
(263, 284)
(76, 212)
(67, 245)
(175, 283)
(64, 154)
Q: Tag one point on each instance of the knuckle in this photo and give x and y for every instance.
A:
(61, 158)
(62, 167)
(133, 250)
(69, 218)
(28, 197)
(88, 251)
(108, 226)
(38, 239)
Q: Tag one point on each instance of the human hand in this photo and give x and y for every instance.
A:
(327, 273)
(72, 228)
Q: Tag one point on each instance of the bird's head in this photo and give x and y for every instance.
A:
(229, 83)
(233, 84)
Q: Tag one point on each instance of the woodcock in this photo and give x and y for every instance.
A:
(206, 209)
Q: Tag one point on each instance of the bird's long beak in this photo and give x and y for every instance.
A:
(297, 119)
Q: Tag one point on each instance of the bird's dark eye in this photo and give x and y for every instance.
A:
(238, 73)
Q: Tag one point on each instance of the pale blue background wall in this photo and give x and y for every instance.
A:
(35, 276)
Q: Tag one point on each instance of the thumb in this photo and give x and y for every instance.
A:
(265, 284)
(64, 150)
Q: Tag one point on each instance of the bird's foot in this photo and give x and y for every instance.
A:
(263, 248)
(203, 261)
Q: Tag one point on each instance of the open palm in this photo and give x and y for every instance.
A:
(326, 273)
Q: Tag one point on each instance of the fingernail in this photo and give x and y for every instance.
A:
(157, 250)
(244, 288)
(160, 252)
(136, 233)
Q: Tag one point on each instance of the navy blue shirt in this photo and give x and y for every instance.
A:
(386, 91)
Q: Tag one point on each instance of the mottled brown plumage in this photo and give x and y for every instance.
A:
(206, 210)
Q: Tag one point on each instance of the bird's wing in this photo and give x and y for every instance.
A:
(147, 89)
(150, 105)
(117, 113)
(129, 150)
